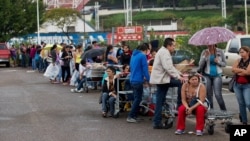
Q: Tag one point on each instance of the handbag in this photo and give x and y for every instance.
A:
(231, 84)
(196, 99)
(201, 70)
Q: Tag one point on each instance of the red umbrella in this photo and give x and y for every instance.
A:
(211, 36)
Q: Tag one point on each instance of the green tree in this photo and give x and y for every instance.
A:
(18, 18)
(62, 18)
(237, 19)
(195, 3)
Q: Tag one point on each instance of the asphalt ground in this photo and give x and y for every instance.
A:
(32, 109)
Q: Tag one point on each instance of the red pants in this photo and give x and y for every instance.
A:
(200, 112)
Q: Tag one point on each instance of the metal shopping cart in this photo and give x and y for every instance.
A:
(168, 108)
(121, 97)
(96, 75)
(214, 115)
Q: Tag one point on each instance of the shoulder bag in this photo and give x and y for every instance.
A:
(231, 84)
(196, 99)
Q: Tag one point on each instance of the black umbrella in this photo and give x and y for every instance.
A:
(93, 53)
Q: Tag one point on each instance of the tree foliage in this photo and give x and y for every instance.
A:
(18, 18)
(237, 18)
(62, 18)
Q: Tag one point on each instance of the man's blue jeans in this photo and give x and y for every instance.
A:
(162, 90)
(243, 98)
(137, 93)
(23, 60)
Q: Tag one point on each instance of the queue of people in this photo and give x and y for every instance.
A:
(161, 74)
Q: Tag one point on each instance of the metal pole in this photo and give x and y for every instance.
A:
(97, 16)
(38, 24)
(246, 24)
(113, 36)
(224, 10)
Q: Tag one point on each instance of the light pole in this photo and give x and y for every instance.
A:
(224, 10)
(38, 24)
(246, 24)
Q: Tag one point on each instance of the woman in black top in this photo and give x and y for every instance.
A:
(66, 57)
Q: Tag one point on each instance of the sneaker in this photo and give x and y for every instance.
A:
(131, 120)
(79, 91)
(179, 132)
(73, 90)
(199, 133)
(91, 87)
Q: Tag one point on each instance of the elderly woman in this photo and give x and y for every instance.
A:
(109, 92)
(189, 93)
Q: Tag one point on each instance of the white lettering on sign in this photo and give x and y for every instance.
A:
(129, 30)
(240, 132)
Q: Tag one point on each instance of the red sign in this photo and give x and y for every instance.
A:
(129, 30)
(129, 37)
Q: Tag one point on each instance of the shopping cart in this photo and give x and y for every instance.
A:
(95, 77)
(214, 115)
(168, 108)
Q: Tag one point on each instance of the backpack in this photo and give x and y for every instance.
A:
(119, 52)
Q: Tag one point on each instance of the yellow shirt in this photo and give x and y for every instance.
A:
(78, 57)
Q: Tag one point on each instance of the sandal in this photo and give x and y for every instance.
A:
(104, 114)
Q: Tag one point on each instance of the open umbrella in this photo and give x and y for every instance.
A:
(211, 36)
(93, 53)
(49, 46)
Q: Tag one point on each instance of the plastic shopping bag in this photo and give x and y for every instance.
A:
(52, 71)
(74, 77)
(146, 93)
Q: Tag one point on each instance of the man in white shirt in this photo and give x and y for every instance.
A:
(164, 75)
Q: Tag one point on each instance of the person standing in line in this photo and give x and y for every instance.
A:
(211, 62)
(32, 56)
(53, 54)
(77, 56)
(126, 55)
(13, 54)
(66, 57)
(139, 74)
(110, 58)
(241, 68)
(165, 75)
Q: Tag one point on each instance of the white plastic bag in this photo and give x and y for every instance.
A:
(146, 93)
(72, 67)
(52, 71)
(74, 77)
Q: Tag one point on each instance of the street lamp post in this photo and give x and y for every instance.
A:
(246, 24)
(38, 24)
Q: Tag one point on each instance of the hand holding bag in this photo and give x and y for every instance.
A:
(231, 84)
(196, 99)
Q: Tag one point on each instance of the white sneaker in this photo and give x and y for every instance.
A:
(73, 90)
(90, 87)
(79, 91)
